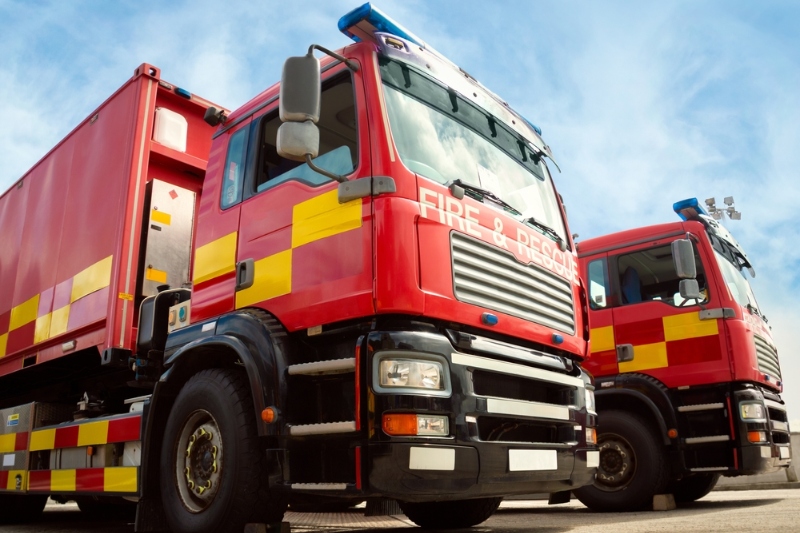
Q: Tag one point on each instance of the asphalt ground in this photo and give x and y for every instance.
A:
(721, 511)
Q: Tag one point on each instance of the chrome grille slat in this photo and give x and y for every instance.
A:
(496, 262)
(767, 357)
(470, 267)
(490, 277)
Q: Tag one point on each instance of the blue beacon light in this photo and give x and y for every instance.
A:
(361, 23)
(689, 209)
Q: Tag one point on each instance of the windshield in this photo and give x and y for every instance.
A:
(444, 137)
(736, 282)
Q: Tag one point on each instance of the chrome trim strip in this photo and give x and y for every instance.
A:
(531, 409)
(513, 369)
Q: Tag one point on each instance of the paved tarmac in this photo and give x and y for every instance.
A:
(720, 511)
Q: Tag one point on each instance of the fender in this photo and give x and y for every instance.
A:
(259, 343)
(647, 390)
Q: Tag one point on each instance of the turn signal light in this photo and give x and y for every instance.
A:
(269, 415)
(591, 436)
(757, 436)
(405, 424)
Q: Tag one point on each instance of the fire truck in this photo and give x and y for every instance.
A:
(358, 285)
(687, 374)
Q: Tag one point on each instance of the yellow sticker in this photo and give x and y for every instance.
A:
(126, 296)
(161, 217)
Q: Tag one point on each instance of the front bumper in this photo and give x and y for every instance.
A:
(401, 470)
(515, 428)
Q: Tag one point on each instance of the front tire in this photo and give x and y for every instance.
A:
(450, 515)
(693, 488)
(632, 465)
(213, 471)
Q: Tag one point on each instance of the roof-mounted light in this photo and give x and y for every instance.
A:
(361, 24)
(689, 209)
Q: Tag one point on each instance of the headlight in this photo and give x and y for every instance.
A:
(407, 373)
(590, 406)
(753, 412)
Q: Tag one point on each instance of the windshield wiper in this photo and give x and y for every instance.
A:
(483, 193)
(547, 230)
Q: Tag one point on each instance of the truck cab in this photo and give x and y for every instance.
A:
(697, 371)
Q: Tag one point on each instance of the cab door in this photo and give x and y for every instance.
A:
(602, 358)
(302, 255)
(670, 340)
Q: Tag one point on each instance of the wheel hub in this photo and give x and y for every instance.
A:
(617, 463)
(199, 466)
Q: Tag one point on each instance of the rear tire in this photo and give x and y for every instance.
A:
(450, 515)
(693, 488)
(213, 470)
(632, 465)
(16, 509)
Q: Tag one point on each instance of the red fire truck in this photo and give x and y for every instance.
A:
(360, 284)
(687, 374)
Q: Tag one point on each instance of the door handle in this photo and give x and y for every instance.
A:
(245, 274)
(624, 353)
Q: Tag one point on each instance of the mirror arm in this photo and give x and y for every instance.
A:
(352, 65)
(315, 168)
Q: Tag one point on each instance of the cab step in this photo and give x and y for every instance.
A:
(327, 428)
(705, 440)
(710, 469)
(321, 486)
(318, 368)
(700, 407)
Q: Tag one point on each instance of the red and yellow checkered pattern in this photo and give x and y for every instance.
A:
(69, 305)
(89, 433)
(313, 221)
(658, 343)
(120, 479)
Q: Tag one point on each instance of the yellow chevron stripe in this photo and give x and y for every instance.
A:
(91, 279)
(323, 216)
(602, 339)
(215, 258)
(688, 326)
(24, 313)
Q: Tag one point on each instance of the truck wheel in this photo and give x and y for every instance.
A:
(632, 466)
(15, 509)
(213, 471)
(450, 515)
(693, 488)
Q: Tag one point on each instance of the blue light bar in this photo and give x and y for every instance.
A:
(362, 23)
(689, 209)
(536, 128)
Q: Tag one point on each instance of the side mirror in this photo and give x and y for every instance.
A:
(689, 289)
(300, 89)
(298, 136)
(683, 259)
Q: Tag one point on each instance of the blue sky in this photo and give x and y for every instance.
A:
(643, 103)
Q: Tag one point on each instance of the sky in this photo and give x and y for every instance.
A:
(643, 103)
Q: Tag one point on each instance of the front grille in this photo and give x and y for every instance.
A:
(518, 388)
(489, 277)
(767, 358)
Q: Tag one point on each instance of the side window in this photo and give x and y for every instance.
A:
(598, 284)
(649, 275)
(234, 169)
(338, 141)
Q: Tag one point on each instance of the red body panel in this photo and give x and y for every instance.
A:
(70, 228)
